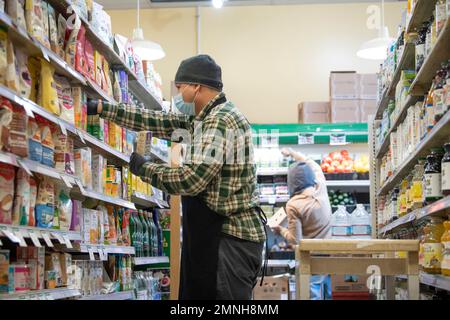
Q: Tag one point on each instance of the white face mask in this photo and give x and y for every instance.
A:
(187, 108)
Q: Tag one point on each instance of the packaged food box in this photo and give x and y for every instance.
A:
(349, 283)
(344, 85)
(83, 164)
(65, 261)
(273, 288)
(98, 167)
(314, 112)
(4, 271)
(343, 111)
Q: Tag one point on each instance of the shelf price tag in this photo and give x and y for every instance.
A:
(63, 127)
(34, 235)
(305, 138)
(338, 139)
(67, 241)
(81, 135)
(91, 253)
(10, 235)
(19, 235)
(291, 264)
(46, 237)
(58, 237)
(66, 181)
(80, 185)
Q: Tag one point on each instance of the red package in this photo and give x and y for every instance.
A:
(89, 58)
(18, 142)
(80, 57)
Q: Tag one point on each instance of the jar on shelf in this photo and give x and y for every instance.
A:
(445, 168)
(394, 207)
(403, 189)
(439, 102)
(426, 230)
(432, 176)
(432, 247)
(445, 240)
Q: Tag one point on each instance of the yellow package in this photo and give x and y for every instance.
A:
(48, 88)
(34, 69)
(98, 68)
(107, 86)
(3, 55)
(34, 19)
(12, 79)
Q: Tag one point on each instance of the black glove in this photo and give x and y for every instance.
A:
(92, 107)
(136, 163)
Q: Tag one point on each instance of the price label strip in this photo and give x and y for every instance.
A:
(272, 199)
(26, 107)
(81, 135)
(19, 235)
(34, 235)
(305, 138)
(338, 139)
(63, 127)
(47, 240)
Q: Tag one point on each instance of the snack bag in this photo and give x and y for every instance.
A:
(34, 67)
(34, 141)
(77, 211)
(34, 19)
(25, 81)
(48, 88)
(3, 55)
(45, 204)
(90, 59)
(22, 197)
(71, 45)
(16, 10)
(62, 28)
(46, 28)
(64, 155)
(12, 79)
(48, 146)
(65, 99)
(80, 108)
(53, 29)
(65, 207)
(6, 116)
(7, 174)
(80, 57)
(18, 142)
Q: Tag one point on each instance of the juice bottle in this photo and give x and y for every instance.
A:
(439, 93)
(403, 199)
(432, 176)
(445, 240)
(426, 230)
(133, 234)
(146, 239)
(432, 247)
(417, 187)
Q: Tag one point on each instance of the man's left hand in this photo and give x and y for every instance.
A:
(136, 163)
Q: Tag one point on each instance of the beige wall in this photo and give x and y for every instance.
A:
(272, 57)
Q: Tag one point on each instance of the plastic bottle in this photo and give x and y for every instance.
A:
(145, 239)
(154, 235)
(133, 234)
(445, 240)
(361, 223)
(139, 236)
(158, 232)
(432, 176)
(426, 230)
(340, 224)
(432, 247)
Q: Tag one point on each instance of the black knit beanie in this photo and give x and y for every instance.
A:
(201, 69)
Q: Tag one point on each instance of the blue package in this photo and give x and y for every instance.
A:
(35, 150)
(48, 155)
(44, 215)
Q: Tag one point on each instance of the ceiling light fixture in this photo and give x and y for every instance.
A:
(145, 49)
(217, 3)
(376, 49)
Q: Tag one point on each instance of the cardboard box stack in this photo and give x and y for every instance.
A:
(352, 99)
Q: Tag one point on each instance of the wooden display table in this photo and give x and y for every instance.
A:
(378, 254)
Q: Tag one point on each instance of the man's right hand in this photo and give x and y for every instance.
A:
(286, 152)
(94, 107)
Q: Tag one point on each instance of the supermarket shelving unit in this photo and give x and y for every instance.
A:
(435, 138)
(69, 240)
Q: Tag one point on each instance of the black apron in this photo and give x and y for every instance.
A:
(202, 229)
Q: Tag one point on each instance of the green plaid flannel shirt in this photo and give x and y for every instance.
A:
(227, 187)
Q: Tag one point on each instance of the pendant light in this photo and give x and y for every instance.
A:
(376, 49)
(145, 49)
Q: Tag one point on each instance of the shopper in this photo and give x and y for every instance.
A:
(308, 211)
(223, 227)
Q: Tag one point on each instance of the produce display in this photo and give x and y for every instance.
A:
(338, 162)
(338, 198)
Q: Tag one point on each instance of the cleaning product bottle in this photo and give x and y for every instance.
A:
(361, 224)
(445, 240)
(432, 247)
(340, 224)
